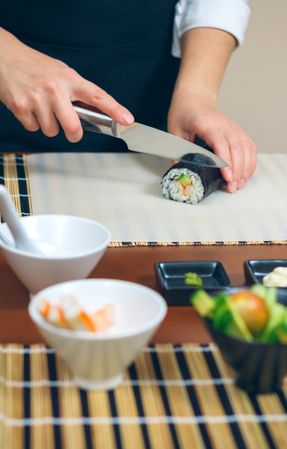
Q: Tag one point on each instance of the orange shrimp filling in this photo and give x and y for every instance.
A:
(185, 184)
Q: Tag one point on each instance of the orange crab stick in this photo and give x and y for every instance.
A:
(70, 315)
(103, 317)
(44, 308)
(52, 313)
(75, 317)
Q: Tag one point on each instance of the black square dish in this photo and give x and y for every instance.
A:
(256, 269)
(171, 275)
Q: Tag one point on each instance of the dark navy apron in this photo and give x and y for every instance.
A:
(124, 46)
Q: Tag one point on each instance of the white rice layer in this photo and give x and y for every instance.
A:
(172, 189)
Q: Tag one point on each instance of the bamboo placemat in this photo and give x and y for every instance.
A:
(67, 183)
(172, 397)
(123, 192)
(14, 175)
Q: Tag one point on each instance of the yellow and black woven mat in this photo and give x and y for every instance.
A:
(14, 175)
(172, 397)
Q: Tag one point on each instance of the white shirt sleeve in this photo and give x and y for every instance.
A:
(228, 15)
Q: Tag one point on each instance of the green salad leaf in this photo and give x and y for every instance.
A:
(226, 313)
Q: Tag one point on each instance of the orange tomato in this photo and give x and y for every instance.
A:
(252, 309)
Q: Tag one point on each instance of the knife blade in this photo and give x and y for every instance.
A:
(145, 139)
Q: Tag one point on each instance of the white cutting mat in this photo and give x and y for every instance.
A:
(123, 192)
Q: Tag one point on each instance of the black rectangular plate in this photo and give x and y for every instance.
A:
(170, 276)
(256, 269)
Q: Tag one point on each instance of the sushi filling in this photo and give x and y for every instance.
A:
(181, 184)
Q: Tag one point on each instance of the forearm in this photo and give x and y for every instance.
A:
(193, 111)
(4, 34)
(205, 53)
(9, 45)
(7, 41)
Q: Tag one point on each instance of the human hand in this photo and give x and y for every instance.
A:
(190, 116)
(39, 91)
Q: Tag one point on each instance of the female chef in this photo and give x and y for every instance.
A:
(160, 61)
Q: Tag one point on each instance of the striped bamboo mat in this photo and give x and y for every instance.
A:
(54, 196)
(123, 192)
(173, 397)
(14, 175)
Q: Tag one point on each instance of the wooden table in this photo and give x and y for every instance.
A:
(134, 264)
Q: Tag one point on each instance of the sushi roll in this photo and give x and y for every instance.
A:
(190, 183)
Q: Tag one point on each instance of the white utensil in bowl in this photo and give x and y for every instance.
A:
(9, 215)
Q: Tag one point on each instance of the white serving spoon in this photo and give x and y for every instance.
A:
(22, 241)
(9, 215)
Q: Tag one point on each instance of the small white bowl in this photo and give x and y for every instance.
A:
(72, 248)
(98, 360)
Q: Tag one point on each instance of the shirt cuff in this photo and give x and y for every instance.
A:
(227, 15)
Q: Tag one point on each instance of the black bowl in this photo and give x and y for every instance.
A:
(170, 276)
(259, 367)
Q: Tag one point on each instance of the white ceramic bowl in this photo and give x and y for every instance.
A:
(98, 360)
(73, 247)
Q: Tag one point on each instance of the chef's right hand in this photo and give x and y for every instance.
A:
(39, 91)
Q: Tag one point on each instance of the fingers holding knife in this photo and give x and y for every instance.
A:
(39, 91)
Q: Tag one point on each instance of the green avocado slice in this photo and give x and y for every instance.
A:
(184, 179)
(228, 320)
(203, 303)
(281, 331)
(277, 317)
(269, 294)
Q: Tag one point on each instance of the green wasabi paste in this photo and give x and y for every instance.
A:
(192, 279)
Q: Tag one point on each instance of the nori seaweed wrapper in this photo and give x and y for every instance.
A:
(211, 178)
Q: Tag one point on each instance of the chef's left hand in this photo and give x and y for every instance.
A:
(191, 115)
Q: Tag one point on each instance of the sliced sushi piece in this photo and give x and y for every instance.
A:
(189, 183)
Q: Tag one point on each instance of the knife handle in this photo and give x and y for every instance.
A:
(100, 122)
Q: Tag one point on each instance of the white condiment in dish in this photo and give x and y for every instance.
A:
(277, 278)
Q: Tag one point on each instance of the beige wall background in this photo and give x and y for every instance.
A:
(254, 90)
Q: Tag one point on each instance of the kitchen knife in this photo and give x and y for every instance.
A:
(145, 139)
